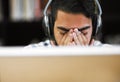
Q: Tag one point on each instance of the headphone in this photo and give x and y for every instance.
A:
(47, 20)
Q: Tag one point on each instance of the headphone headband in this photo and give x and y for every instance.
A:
(46, 7)
(46, 19)
(99, 7)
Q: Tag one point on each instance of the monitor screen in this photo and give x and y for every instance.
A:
(60, 64)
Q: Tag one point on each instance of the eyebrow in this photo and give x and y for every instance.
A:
(79, 29)
(63, 28)
(83, 28)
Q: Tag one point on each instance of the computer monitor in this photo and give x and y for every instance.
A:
(60, 64)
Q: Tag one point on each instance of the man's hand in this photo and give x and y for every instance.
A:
(75, 37)
(79, 38)
(67, 38)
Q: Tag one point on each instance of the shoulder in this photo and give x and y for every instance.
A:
(40, 44)
(98, 43)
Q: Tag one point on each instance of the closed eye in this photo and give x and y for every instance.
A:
(63, 30)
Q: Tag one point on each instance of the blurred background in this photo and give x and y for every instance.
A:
(21, 22)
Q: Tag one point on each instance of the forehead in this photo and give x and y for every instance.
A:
(71, 20)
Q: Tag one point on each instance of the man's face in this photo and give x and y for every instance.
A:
(72, 29)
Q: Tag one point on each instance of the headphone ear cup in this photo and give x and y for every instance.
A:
(46, 26)
(51, 26)
(96, 20)
(99, 23)
(98, 34)
(94, 23)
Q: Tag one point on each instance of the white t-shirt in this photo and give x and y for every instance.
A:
(47, 43)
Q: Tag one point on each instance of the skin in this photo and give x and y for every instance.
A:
(72, 29)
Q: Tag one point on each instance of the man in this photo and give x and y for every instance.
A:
(72, 23)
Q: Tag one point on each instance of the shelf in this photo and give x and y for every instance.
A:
(21, 28)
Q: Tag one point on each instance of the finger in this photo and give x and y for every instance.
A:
(76, 40)
(72, 44)
(80, 39)
(84, 38)
(63, 39)
(92, 42)
(52, 43)
(67, 38)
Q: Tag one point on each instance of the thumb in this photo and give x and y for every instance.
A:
(52, 43)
